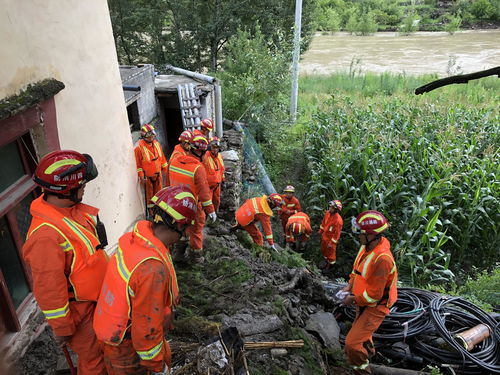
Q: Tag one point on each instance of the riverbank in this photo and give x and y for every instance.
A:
(419, 53)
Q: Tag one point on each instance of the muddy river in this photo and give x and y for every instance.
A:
(419, 53)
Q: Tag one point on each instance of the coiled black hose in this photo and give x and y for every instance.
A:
(428, 323)
(463, 314)
(408, 317)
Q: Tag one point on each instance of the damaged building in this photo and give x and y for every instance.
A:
(66, 90)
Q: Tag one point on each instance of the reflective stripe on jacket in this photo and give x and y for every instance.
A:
(149, 158)
(89, 264)
(215, 168)
(178, 151)
(258, 205)
(298, 223)
(331, 227)
(185, 170)
(113, 311)
(290, 206)
(374, 276)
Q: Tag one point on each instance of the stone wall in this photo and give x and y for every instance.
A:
(232, 144)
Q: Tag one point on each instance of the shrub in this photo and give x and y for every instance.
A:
(367, 24)
(482, 9)
(453, 25)
(328, 20)
(486, 288)
(410, 24)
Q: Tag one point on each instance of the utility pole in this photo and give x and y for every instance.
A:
(295, 63)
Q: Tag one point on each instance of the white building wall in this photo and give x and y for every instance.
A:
(72, 41)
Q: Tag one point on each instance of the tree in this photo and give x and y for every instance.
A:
(193, 34)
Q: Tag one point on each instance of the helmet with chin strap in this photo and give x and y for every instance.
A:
(370, 222)
(336, 204)
(60, 172)
(276, 199)
(147, 130)
(207, 123)
(185, 136)
(199, 142)
(175, 207)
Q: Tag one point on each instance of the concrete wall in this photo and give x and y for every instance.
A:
(72, 41)
(146, 102)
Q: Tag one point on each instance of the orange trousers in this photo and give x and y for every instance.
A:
(152, 187)
(254, 232)
(284, 219)
(195, 231)
(123, 359)
(329, 253)
(358, 342)
(216, 196)
(84, 342)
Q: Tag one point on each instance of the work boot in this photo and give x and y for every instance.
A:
(197, 256)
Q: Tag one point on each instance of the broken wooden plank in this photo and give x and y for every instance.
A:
(274, 344)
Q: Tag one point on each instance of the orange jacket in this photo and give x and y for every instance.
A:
(256, 209)
(61, 252)
(298, 222)
(138, 292)
(374, 276)
(149, 158)
(215, 169)
(188, 170)
(331, 227)
(178, 151)
(290, 206)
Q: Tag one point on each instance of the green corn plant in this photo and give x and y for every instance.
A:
(430, 168)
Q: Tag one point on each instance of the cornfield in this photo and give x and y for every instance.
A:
(431, 166)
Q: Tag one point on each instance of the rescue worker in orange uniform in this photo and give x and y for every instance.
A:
(66, 256)
(189, 170)
(372, 287)
(151, 162)
(182, 148)
(258, 209)
(215, 170)
(206, 126)
(298, 229)
(330, 230)
(134, 311)
(291, 206)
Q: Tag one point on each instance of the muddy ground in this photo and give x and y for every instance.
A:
(267, 296)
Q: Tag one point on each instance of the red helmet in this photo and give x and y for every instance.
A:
(62, 171)
(336, 204)
(185, 136)
(147, 128)
(370, 222)
(276, 199)
(289, 189)
(178, 202)
(214, 142)
(207, 123)
(199, 142)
